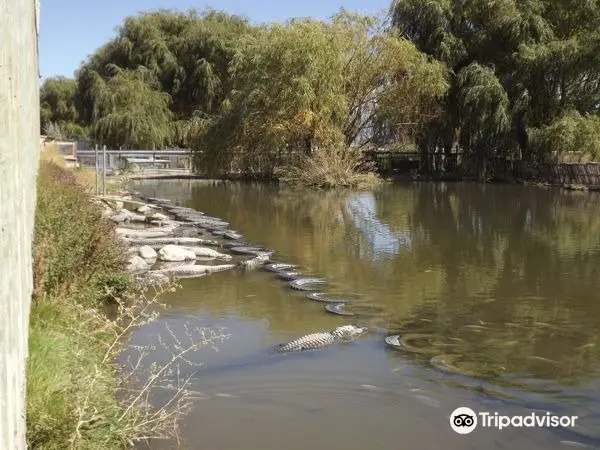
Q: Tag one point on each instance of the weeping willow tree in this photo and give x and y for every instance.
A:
(184, 55)
(287, 97)
(308, 85)
(131, 110)
(543, 55)
(482, 105)
(571, 134)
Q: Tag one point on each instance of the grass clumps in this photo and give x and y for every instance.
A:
(84, 308)
(65, 350)
(332, 167)
(78, 270)
(76, 251)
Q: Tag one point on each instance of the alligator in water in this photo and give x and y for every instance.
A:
(302, 345)
(314, 341)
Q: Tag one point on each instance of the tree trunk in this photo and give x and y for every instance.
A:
(308, 145)
(19, 154)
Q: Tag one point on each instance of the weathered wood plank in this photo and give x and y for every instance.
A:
(19, 154)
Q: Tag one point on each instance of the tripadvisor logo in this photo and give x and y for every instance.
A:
(464, 420)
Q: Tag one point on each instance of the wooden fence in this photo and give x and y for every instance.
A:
(584, 174)
(562, 173)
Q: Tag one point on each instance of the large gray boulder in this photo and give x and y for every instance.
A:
(148, 252)
(137, 264)
(175, 253)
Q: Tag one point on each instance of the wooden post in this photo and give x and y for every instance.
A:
(97, 168)
(19, 156)
(104, 170)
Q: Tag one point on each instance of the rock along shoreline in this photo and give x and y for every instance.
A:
(167, 242)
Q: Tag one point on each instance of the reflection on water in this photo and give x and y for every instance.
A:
(492, 289)
(362, 211)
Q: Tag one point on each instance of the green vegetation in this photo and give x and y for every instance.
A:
(78, 268)
(312, 85)
(523, 71)
(329, 168)
(75, 249)
(490, 79)
(84, 307)
(58, 112)
(256, 99)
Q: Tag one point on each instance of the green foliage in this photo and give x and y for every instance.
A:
(84, 308)
(287, 97)
(253, 98)
(429, 25)
(58, 109)
(309, 84)
(75, 248)
(132, 111)
(78, 268)
(390, 86)
(57, 100)
(475, 74)
(571, 133)
(173, 65)
(65, 349)
(540, 56)
(482, 105)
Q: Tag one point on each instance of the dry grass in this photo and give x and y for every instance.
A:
(85, 176)
(332, 167)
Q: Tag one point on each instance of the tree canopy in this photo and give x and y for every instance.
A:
(184, 59)
(58, 110)
(528, 62)
(510, 78)
(309, 84)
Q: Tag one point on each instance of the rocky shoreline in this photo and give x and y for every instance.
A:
(167, 242)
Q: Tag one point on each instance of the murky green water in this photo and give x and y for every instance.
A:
(495, 290)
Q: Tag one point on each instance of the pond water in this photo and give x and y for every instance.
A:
(494, 289)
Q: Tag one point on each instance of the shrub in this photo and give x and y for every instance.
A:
(331, 167)
(75, 249)
(570, 134)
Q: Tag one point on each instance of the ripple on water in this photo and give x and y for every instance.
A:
(312, 391)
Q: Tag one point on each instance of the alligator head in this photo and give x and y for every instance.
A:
(347, 332)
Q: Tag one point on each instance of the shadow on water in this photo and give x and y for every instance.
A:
(492, 290)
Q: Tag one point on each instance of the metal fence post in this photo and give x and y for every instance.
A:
(104, 170)
(96, 161)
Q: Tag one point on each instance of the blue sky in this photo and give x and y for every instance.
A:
(70, 30)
